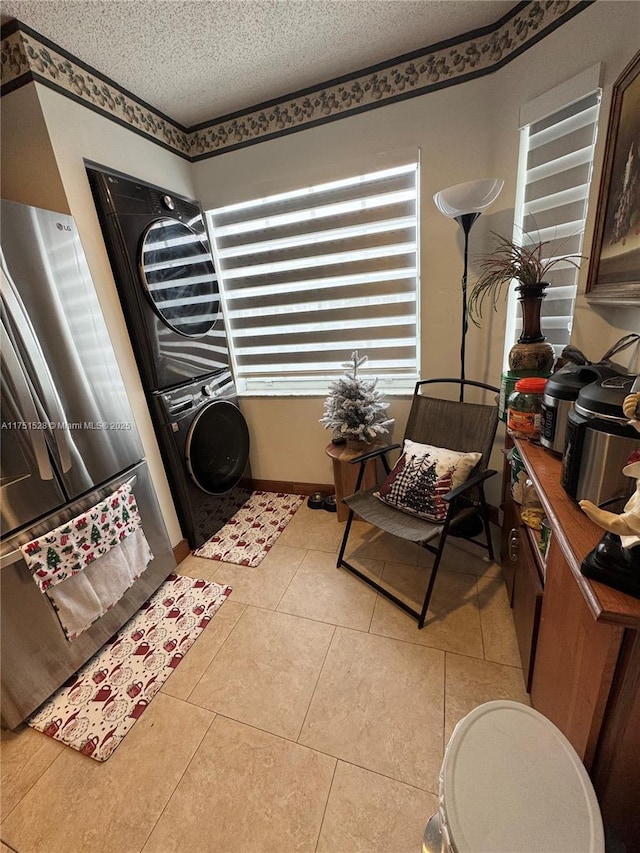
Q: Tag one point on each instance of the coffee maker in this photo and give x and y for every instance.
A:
(560, 394)
(564, 386)
(599, 442)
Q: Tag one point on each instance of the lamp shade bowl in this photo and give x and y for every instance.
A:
(471, 197)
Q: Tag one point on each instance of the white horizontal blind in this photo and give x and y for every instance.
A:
(555, 179)
(309, 276)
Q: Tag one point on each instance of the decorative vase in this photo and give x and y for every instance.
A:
(531, 352)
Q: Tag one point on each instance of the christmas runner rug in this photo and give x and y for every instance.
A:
(249, 536)
(98, 705)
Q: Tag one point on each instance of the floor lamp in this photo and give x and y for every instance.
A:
(465, 203)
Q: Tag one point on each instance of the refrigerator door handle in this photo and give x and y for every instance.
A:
(51, 403)
(10, 559)
(27, 406)
(13, 556)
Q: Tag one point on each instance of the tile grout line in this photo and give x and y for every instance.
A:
(182, 775)
(34, 783)
(373, 613)
(186, 699)
(379, 773)
(478, 602)
(293, 576)
(326, 754)
(480, 660)
(315, 686)
(326, 805)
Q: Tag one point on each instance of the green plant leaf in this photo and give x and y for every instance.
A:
(508, 261)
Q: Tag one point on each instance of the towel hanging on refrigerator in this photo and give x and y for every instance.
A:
(85, 565)
(71, 547)
(82, 599)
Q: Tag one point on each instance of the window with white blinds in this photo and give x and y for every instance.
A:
(556, 160)
(311, 275)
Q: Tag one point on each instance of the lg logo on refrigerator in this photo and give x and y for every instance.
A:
(61, 227)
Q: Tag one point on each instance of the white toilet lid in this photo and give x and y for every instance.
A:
(512, 783)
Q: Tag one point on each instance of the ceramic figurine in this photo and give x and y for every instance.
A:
(627, 524)
(616, 559)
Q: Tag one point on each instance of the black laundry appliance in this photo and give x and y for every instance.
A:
(159, 252)
(205, 441)
(166, 279)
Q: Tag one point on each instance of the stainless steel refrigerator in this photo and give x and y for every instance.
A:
(68, 440)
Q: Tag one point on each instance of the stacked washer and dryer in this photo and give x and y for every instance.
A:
(165, 275)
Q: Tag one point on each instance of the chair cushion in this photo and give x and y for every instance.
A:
(422, 475)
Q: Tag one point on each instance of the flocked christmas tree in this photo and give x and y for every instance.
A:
(354, 408)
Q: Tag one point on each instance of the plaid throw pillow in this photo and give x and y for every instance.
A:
(422, 475)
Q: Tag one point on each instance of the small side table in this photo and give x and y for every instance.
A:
(345, 474)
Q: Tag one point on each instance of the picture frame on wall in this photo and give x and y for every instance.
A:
(614, 264)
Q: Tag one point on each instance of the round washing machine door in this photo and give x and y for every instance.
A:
(179, 277)
(217, 447)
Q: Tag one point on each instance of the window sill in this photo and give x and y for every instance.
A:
(397, 393)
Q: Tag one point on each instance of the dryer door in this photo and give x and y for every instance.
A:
(179, 277)
(217, 447)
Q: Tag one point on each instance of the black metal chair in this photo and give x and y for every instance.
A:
(459, 426)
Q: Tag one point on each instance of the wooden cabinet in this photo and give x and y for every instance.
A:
(575, 659)
(523, 571)
(526, 599)
(508, 540)
(585, 672)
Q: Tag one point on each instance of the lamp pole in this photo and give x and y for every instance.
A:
(465, 220)
(464, 203)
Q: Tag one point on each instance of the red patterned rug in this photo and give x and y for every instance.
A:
(249, 536)
(95, 709)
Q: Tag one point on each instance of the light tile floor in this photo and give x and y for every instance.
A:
(311, 715)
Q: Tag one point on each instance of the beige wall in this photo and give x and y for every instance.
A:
(29, 171)
(438, 125)
(463, 132)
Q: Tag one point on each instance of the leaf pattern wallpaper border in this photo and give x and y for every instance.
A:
(26, 56)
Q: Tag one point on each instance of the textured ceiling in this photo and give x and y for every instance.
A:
(196, 60)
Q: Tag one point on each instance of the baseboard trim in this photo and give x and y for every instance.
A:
(181, 551)
(293, 488)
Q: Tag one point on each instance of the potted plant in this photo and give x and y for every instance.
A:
(354, 409)
(526, 264)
